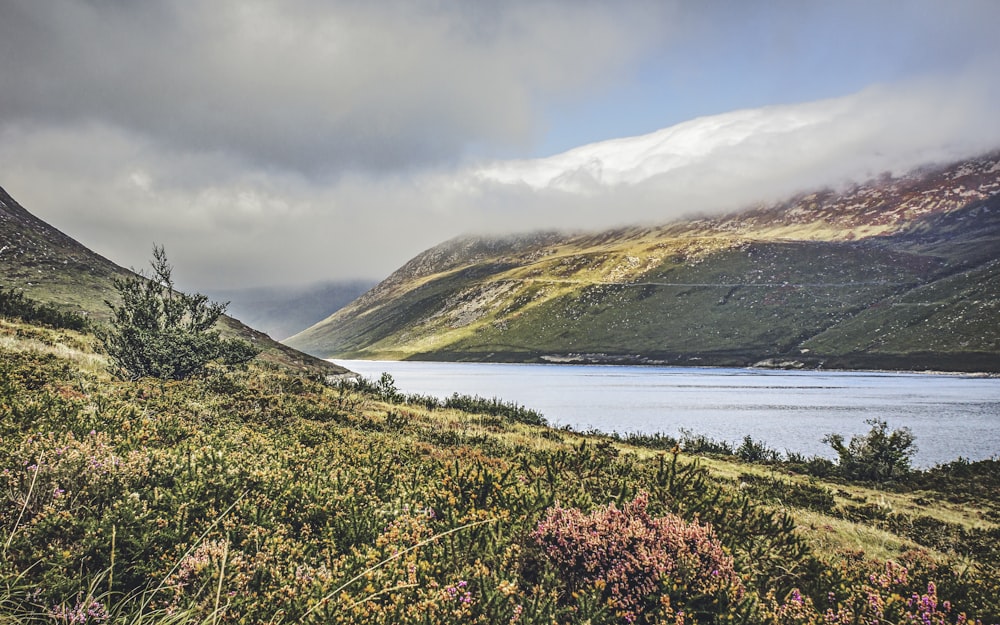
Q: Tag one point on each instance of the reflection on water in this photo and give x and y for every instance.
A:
(950, 415)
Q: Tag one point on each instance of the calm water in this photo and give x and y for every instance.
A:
(950, 416)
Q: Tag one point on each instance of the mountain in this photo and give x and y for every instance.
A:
(283, 311)
(53, 268)
(898, 273)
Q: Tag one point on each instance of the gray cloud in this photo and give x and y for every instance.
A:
(307, 85)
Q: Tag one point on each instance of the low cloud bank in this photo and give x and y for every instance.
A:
(226, 222)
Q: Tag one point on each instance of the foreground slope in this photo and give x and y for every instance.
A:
(895, 273)
(260, 495)
(53, 268)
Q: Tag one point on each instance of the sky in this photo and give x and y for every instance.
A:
(271, 142)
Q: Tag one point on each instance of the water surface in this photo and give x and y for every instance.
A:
(950, 415)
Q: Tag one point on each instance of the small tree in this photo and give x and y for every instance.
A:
(161, 333)
(878, 456)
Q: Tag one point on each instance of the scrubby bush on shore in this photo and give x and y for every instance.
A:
(878, 456)
(385, 389)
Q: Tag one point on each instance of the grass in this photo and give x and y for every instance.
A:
(261, 495)
(826, 534)
(709, 300)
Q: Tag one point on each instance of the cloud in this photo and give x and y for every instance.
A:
(729, 161)
(309, 85)
(225, 223)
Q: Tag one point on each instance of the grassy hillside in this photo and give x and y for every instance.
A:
(899, 273)
(260, 495)
(50, 267)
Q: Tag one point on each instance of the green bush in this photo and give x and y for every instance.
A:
(757, 452)
(495, 407)
(385, 390)
(879, 456)
(16, 304)
(161, 333)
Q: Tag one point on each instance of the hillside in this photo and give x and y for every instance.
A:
(53, 268)
(260, 495)
(897, 273)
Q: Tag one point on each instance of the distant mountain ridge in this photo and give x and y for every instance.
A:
(283, 311)
(898, 273)
(53, 268)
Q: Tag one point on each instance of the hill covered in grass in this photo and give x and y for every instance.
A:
(259, 494)
(896, 273)
(54, 269)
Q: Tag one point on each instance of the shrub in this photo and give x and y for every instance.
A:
(383, 389)
(812, 465)
(886, 596)
(496, 407)
(701, 444)
(631, 558)
(656, 440)
(799, 494)
(162, 333)
(879, 456)
(757, 452)
(16, 304)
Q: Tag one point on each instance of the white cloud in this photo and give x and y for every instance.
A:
(880, 129)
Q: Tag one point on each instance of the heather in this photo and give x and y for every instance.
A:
(631, 560)
(255, 494)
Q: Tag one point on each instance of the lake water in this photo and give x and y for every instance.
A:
(950, 415)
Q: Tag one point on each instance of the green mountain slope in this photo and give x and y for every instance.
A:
(51, 267)
(896, 273)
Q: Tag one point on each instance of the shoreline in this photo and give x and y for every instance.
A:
(598, 360)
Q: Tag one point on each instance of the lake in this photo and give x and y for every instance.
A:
(950, 415)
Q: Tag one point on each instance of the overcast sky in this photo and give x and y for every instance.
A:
(270, 142)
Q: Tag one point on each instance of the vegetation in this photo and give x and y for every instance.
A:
(385, 389)
(257, 495)
(159, 332)
(879, 456)
(14, 304)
